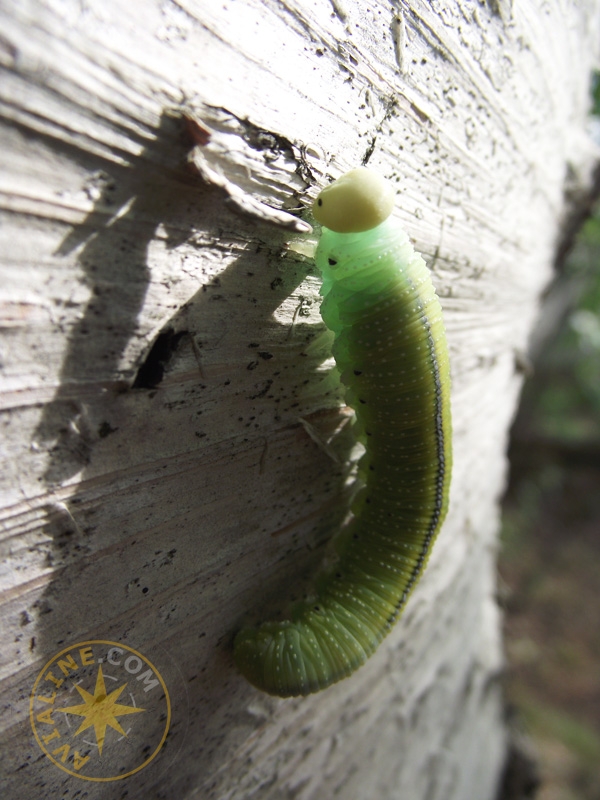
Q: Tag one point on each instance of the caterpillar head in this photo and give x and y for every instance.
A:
(358, 201)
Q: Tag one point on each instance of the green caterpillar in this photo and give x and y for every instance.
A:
(390, 347)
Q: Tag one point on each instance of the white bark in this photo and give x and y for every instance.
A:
(165, 517)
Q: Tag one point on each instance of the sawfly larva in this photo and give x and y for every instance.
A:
(390, 347)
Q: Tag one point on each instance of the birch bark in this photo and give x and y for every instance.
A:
(161, 388)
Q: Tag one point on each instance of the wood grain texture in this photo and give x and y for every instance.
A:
(167, 511)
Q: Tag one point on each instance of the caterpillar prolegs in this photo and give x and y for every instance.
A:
(390, 347)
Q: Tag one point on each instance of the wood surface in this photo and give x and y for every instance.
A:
(175, 452)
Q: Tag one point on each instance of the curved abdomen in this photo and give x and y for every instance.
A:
(390, 347)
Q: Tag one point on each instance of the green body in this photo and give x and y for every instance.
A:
(390, 347)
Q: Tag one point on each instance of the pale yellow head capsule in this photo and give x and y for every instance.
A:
(358, 201)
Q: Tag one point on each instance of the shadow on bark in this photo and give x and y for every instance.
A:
(157, 586)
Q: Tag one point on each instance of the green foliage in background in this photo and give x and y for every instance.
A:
(565, 395)
(550, 563)
(596, 94)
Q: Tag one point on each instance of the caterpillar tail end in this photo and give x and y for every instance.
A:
(265, 659)
(282, 659)
(249, 652)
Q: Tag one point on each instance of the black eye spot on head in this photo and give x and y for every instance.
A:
(332, 262)
(319, 201)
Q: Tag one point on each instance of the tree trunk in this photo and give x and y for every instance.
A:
(176, 453)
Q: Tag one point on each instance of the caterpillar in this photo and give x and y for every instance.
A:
(390, 347)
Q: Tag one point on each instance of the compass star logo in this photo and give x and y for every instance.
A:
(100, 710)
(121, 721)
